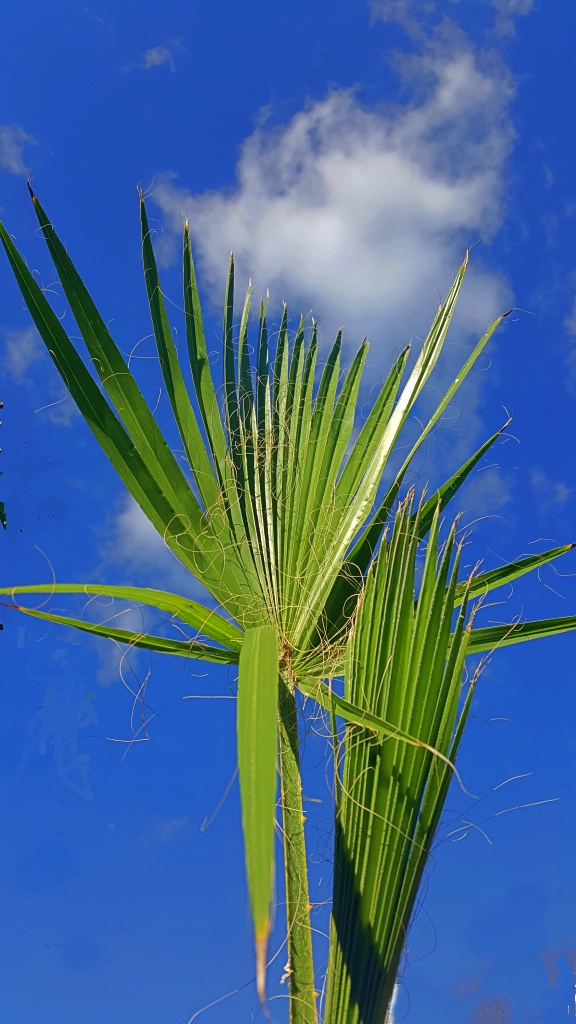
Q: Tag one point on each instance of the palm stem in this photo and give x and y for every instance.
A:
(300, 963)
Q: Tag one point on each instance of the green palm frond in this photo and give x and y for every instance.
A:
(280, 514)
(405, 665)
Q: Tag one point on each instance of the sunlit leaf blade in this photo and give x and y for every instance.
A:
(287, 463)
(295, 494)
(354, 715)
(206, 621)
(355, 514)
(364, 548)
(341, 601)
(340, 428)
(489, 638)
(262, 380)
(164, 645)
(371, 431)
(304, 536)
(505, 574)
(258, 671)
(232, 497)
(454, 387)
(245, 388)
(200, 363)
(114, 373)
(279, 425)
(141, 456)
(184, 415)
(260, 485)
(97, 413)
(230, 380)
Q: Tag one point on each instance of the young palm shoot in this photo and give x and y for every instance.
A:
(279, 518)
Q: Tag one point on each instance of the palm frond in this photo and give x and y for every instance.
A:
(405, 666)
(281, 516)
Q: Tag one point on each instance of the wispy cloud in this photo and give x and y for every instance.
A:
(506, 11)
(22, 350)
(165, 830)
(13, 139)
(156, 56)
(132, 543)
(487, 492)
(551, 493)
(417, 16)
(414, 16)
(363, 213)
(117, 662)
(493, 1011)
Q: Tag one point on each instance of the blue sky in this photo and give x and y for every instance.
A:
(347, 153)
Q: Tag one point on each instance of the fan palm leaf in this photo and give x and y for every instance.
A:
(281, 518)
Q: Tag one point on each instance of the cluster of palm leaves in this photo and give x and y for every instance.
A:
(317, 576)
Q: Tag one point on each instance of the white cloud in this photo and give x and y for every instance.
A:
(165, 830)
(551, 492)
(510, 7)
(416, 16)
(117, 661)
(412, 15)
(133, 544)
(487, 492)
(363, 214)
(156, 56)
(507, 10)
(62, 411)
(23, 348)
(13, 138)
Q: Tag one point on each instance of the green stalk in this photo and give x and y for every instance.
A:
(300, 963)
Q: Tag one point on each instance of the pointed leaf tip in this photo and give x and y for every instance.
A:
(31, 191)
(261, 947)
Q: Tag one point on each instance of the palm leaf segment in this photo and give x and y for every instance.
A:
(404, 663)
(275, 518)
